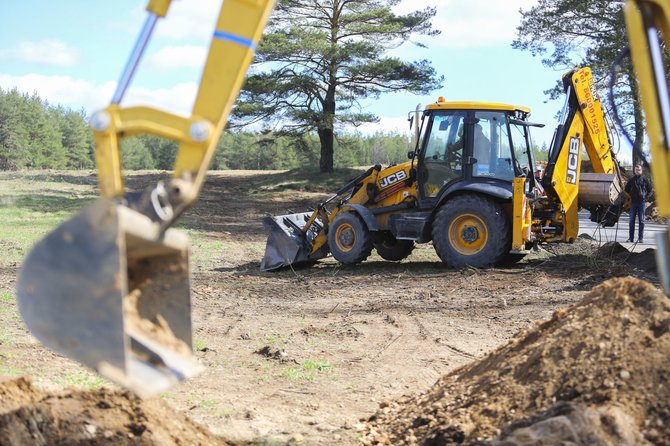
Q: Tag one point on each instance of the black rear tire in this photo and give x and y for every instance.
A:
(471, 230)
(392, 249)
(349, 240)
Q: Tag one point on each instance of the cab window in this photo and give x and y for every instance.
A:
(521, 146)
(443, 154)
(491, 146)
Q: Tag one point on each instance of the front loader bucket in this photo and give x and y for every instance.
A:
(107, 290)
(287, 244)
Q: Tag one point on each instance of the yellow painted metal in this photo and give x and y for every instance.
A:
(159, 7)
(659, 13)
(596, 139)
(521, 221)
(587, 130)
(238, 29)
(392, 188)
(474, 105)
(222, 78)
(128, 122)
(468, 222)
(345, 237)
(566, 177)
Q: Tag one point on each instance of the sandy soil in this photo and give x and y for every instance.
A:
(307, 355)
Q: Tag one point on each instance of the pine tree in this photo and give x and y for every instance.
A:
(319, 59)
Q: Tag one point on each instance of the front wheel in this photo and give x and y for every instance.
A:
(349, 240)
(394, 250)
(471, 230)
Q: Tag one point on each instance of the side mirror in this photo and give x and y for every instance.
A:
(411, 121)
(411, 154)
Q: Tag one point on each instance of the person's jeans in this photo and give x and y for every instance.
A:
(636, 211)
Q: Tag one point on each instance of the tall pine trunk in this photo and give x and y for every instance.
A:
(638, 143)
(326, 134)
(327, 148)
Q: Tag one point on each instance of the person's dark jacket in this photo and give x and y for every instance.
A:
(638, 188)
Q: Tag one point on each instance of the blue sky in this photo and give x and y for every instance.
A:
(71, 52)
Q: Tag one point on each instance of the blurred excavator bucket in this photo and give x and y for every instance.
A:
(110, 290)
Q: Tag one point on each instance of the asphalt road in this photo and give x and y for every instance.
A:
(619, 232)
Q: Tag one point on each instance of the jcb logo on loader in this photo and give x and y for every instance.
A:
(392, 179)
(573, 160)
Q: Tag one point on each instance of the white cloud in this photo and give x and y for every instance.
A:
(188, 20)
(174, 57)
(64, 90)
(177, 99)
(473, 23)
(78, 93)
(386, 124)
(45, 52)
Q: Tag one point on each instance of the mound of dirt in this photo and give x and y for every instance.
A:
(645, 260)
(615, 251)
(596, 373)
(29, 416)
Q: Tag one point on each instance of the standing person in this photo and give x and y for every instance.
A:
(639, 189)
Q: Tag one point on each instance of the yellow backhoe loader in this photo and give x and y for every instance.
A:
(469, 188)
(110, 287)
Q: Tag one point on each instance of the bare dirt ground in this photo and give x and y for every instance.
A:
(303, 356)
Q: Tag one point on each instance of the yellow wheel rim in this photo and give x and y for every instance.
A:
(345, 237)
(468, 234)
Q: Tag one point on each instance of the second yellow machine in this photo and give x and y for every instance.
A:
(468, 187)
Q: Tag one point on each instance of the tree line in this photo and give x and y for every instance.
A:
(37, 135)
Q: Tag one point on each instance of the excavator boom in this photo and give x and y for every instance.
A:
(110, 287)
(582, 125)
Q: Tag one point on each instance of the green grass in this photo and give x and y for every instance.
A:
(199, 345)
(7, 297)
(213, 407)
(308, 180)
(267, 442)
(82, 380)
(10, 371)
(307, 371)
(21, 229)
(5, 337)
(320, 366)
(5, 369)
(9, 311)
(8, 306)
(276, 339)
(32, 204)
(204, 249)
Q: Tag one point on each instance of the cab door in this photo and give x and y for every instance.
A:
(441, 160)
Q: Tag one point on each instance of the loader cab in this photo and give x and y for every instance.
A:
(469, 145)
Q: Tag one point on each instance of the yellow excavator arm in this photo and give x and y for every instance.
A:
(648, 24)
(110, 287)
(582, 125)
(238, 28)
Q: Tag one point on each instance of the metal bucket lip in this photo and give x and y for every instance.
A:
(285, 246)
